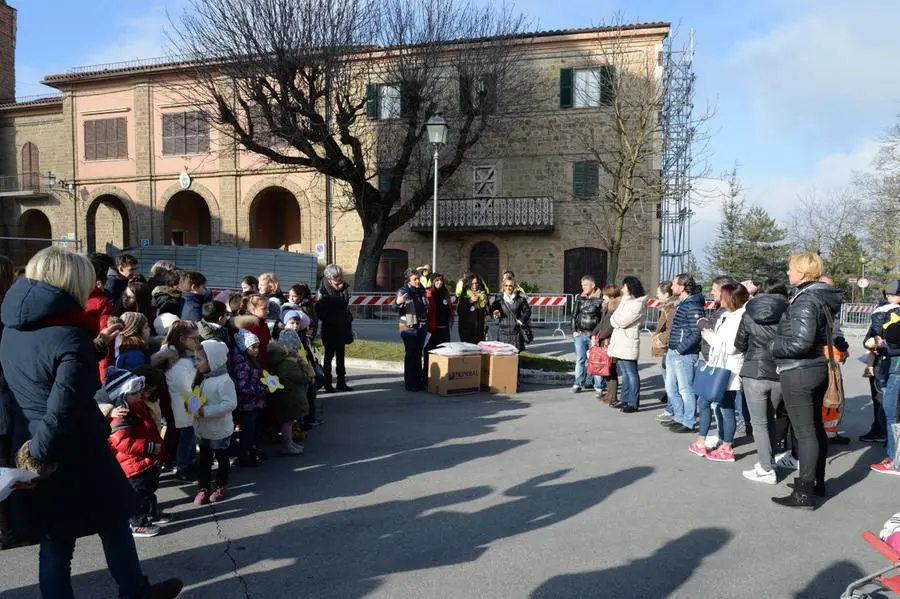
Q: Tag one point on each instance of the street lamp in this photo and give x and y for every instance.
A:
(437, 136)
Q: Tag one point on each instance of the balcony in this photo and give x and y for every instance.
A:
(24, 185)
(487, 214)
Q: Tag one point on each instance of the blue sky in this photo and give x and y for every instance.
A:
(802, 88)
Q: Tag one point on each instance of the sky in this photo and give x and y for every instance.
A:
(802, 89)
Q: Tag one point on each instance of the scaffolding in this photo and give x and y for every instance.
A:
(678, 132)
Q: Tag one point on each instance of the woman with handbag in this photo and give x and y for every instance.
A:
(412, 305)
(725, 358)
(625, 342)
(612, 296)
(659, 342)
(513, 314)
(798, 349)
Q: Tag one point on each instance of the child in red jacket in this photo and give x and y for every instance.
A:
(137, 445)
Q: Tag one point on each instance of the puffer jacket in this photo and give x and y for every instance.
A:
(587, 312)
(221, 396)
(167, 300)
(880, 315)
(625, 343)
(604, 328)
(291, 403)
(722, 349)
(755, 333)
(135, 441)
(801, 332)
(179, 380)
(684, 336)
(334, 314)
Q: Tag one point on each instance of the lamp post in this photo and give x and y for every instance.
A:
(437, 136)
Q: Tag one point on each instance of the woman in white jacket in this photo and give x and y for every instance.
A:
(625, 343)
(213, 424)
(723, 354)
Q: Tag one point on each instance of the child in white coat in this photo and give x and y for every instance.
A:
(213, 424)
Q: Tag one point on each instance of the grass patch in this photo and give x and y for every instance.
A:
(392, 351)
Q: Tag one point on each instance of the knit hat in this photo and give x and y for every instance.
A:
(289, 340)
(296, 315)
(133, 324)
(892, 287)
(120, 383)
(163, 322)
(245, 339)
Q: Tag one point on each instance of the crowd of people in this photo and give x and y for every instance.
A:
(759, 362)
(111, 380)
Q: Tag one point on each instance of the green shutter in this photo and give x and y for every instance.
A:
(591, 178)
(372, 101)
(608, 89)
(578, 179)
(465, 94)
(566, 88)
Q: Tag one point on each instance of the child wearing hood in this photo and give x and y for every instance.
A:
(251, 394)
(294, 373)
(300, 322)
(213, 424)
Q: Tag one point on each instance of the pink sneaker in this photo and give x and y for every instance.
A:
(202, 497)
(720, 455)
(885, 466)
(698, 448)
(218, 495)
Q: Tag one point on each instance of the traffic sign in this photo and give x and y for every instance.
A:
(320, 249)
(863, 283)
(852, 280)
(145, 243)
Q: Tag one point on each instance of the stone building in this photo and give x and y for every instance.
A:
(117, 158)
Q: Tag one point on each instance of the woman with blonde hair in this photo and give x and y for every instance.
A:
(798, 348)
(50, 366)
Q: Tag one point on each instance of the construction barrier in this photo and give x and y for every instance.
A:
(856, 315)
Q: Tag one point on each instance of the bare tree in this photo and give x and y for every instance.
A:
(819, 220)
(880, 208)
(344, 88)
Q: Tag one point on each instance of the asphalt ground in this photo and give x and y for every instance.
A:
(542, 494)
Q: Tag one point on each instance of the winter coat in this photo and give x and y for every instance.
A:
(50, 365)
(880, 315)
(684, 336)
(710, 320)
(308, 307)
(587, 312)
(135, 441)
(130, 355)
(471, 313)
(251, 392)
(756, 332)
(416, 297)
(167, 300)
(179, 380)
(259, 328)
(221, 396)
(722, 350)
(801, 332)
(334, 314)
(604, 329)
(210, 331)
(625, 343)
(440, 311)
(99, 308)
(192, 307)
(292, 371)
(5, 402)
(663, 328)
(115, 286)
(514, 324)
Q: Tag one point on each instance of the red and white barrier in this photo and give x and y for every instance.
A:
(371, 300)
(859, 309)
(549, 300)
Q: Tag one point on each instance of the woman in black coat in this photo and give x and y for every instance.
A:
(412, 304)
(333, 312)
(513, 314)
(50, 366)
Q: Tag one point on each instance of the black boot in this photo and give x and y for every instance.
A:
(818, 489)
(801, 497)
(342, 385)
(329, 388)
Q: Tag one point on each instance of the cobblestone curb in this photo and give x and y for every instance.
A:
(533, 377)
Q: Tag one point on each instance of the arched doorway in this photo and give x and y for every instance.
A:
(33, 224)
(107, 222)
(31, 167)
(275, 220)
(582, 261)
(390, 270)
(187, 220)
(484, 261)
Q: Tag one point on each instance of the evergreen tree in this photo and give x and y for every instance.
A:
(764, 247)
(844, 261)
(724, 253)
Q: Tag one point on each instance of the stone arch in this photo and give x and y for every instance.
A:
(276, 220)
(501, 244)
(303, 203)
(117, 199)
(212, 205)
(33, 224)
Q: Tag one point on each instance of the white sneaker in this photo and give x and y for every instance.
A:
(576, 388)
(292, 450)
(787, 461)
(761, 476)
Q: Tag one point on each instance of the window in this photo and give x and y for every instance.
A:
(385, 175)
(585, 179)
(387, 101)
(106, 139)
(478, 93)
(578, 262)
(390, 270)
(484, 261)
(484, 181)
(31, 167)
(185, 133)
(586, 88)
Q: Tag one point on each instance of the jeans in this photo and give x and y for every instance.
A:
(334, 352)
(724, 416)
(414, 359)
(247, 438)
(187, 448)
(889, 403)
(763, 397)
(630, 382)
(680, 387)
(582, 378)
(742, 411)
(145, 485)
(882, 373)
(55, 566)
(208, 450)
(804, 391)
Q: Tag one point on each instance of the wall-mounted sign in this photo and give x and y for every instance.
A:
(145, 243)
(184, 180)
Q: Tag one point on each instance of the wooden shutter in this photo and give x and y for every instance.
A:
(202, 132)
(566, 88)
(90, 141)
(578, 179)
(168, 128)
(591, 178)
(384, 179)
(121, 138)
(191, 132)
(102, 137)
(465, 94)
(607, 85)
(488, 92)
(372, 103)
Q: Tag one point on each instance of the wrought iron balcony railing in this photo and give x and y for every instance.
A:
(24, 184)
(494, 214)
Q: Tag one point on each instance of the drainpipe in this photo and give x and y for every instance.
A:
(82, 243)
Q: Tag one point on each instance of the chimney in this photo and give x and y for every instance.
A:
(7, 52)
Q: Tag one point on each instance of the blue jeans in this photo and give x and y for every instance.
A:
(680, 387)
(630, 382)
(244, 442)
(891, 397)
(187, 450)
(582, 378)
(55, 566)
(724, 416)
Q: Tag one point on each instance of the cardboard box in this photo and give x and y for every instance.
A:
(499, 374)
(454, 375)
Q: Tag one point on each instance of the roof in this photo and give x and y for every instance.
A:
(31, 102)
(174, 64)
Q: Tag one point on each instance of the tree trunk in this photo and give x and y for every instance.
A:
(375, 235)
(615, 248)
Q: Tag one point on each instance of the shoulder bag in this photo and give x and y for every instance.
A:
(599, 362)
(834, 395)
(711, 382)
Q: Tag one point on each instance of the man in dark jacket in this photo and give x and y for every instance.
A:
(587, 310)
(684, 345)
(890, 304)
(333, 312)
(117, 279)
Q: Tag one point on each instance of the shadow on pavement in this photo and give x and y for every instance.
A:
(658, 575)
(833, 580)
